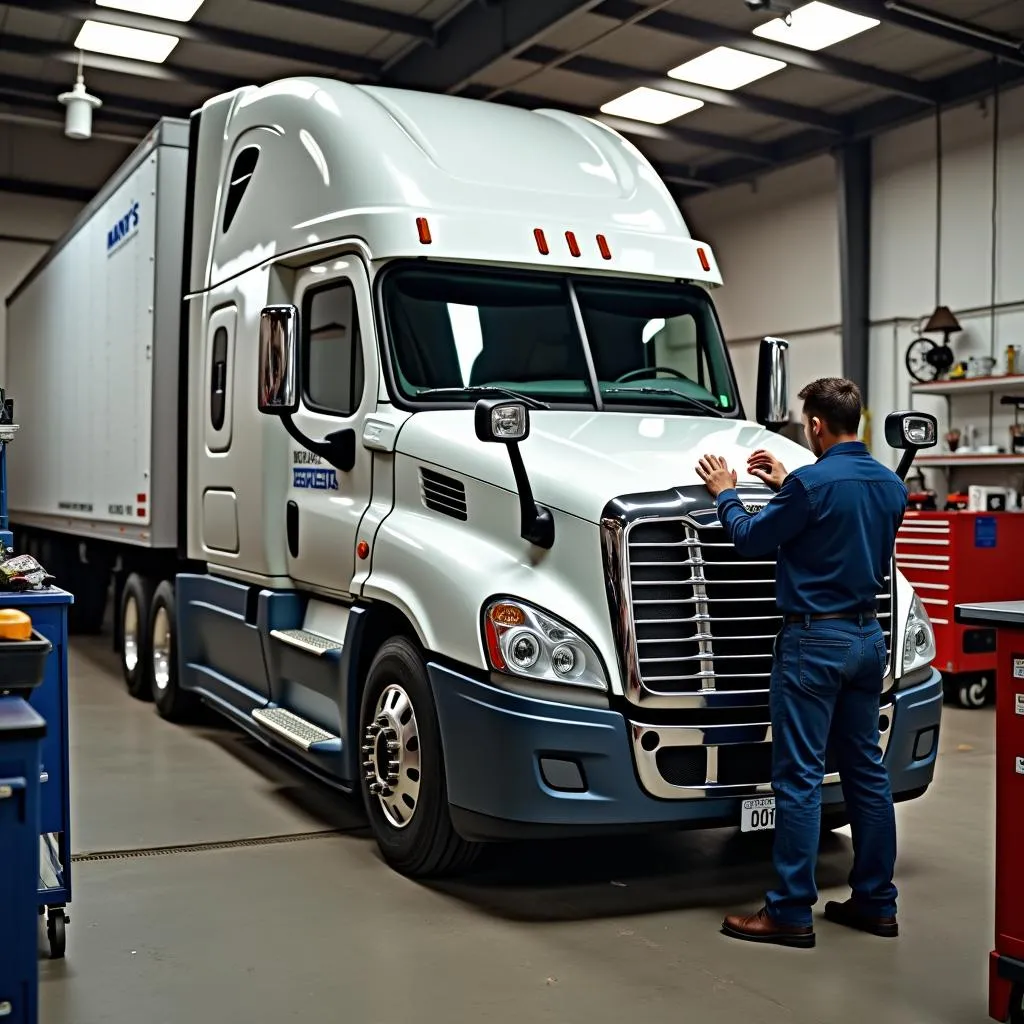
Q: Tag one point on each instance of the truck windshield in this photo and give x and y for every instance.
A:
(454, 330)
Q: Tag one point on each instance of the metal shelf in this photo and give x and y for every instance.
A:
(970, 460)
(983, 385)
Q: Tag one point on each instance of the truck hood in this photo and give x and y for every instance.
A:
(578, 461)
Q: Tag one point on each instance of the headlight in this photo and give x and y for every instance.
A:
(919, 639)
(524, 641)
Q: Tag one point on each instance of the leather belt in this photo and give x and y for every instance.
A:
(854, 616)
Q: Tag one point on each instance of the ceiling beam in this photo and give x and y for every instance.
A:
(44, 48)
(229, 39)
(46, 190)
(717, 35)
(757, 151)
(360, 14)
(598, 68)
(955, 89)
(478, 36)
(940, 26)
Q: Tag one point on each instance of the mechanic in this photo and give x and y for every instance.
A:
(833, 528)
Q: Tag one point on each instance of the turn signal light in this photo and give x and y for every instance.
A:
(704, 261)
(507, 615)
(424, 230)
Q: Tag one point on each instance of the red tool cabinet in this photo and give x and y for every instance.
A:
(1006, 962)
(954, 558)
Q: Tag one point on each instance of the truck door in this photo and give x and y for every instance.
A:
(339, 371)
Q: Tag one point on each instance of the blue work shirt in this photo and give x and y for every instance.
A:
(833, 525)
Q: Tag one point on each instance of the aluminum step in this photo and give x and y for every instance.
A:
(298, 731)
(304, 640)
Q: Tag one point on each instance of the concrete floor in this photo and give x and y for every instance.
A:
(311, 922)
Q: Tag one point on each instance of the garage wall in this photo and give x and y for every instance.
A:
(27, 227)
(778, 246)
(779, 251)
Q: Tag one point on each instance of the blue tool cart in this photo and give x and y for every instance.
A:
(48, 610)
(22, 733)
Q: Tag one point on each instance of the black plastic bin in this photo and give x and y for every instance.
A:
(22, 664)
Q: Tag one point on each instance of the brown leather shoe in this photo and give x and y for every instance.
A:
(851, 915)
(760, 927)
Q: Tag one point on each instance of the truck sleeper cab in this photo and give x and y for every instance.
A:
(440, 538)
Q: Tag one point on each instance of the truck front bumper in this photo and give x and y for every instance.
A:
(520, 767)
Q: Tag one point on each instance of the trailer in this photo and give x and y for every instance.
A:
(380, 410)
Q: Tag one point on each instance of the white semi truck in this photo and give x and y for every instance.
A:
(381, 410)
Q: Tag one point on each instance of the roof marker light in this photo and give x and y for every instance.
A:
(602, 244)
(574, 246)
(704, 261)
(424, 230)
(542, 242)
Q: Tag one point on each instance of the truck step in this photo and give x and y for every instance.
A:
(304, 640)
(296, 730)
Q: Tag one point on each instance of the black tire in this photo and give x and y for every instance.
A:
(171, 701)
(427, 845)
(56, 934)
(136, 656)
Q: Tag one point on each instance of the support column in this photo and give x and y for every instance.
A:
(853, 165)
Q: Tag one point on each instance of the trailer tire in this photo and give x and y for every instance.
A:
(171, 701)
(397, 707)
(136, 656)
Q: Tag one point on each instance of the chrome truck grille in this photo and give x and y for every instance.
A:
(696, 628)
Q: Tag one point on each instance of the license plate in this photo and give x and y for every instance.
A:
(757, 815)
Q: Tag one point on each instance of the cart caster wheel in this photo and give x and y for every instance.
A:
(57, 934)
(974, 694)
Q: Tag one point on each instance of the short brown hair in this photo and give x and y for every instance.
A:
(834, 400)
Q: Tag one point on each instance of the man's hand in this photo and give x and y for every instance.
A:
(715, 473)
(767, 468)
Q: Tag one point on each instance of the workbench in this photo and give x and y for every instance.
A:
(1006, 962)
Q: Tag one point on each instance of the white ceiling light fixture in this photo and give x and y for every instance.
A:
(78, 107)
(726, 68)
(815, 26)
(170, 10)
(651, 105)
(118, 41)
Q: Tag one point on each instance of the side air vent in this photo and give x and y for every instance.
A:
(443, 494)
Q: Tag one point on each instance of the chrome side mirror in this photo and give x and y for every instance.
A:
(773, 383)
(278, 384)
(910, 432)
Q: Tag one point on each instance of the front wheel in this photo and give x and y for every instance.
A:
(403, 780)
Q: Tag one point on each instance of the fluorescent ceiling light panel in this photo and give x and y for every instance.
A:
(726, 68)
(651, 105)
(125, 42)
(171, 10)
(815, 26)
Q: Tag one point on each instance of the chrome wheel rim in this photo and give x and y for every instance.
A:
(161, 649)
(130, 628)
(391, 757)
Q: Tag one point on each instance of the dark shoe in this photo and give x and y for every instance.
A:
(851, 915)
(760, 927)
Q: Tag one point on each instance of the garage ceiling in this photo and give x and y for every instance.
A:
(575, 54)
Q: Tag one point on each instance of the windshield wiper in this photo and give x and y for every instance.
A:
(486, 389)
(695, 403)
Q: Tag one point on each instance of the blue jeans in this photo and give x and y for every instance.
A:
(826, 683)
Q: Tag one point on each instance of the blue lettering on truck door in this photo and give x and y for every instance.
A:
(308, 478)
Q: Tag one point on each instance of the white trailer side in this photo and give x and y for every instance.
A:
(92, 363)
